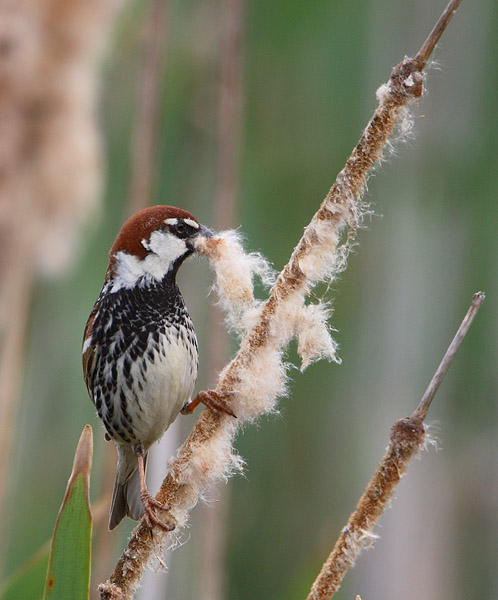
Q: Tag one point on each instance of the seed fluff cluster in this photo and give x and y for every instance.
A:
(254, 380)
(256, 377)
(261, 378)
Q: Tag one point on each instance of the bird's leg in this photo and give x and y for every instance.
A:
(211, 399)
(148, 501)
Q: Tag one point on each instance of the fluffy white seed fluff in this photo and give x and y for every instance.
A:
(321, 262)
(261, 383)
(235, 271)
(215, 460)
(262, 379)
(256, 377)
(314, 341)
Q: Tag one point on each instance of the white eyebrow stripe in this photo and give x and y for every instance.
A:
(187, 221)
(192, 223)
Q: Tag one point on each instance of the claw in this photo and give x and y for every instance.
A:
(150, 517)
(211, 399)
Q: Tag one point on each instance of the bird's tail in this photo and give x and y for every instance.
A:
(126, 501)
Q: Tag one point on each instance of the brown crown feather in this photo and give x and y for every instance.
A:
(140, 226)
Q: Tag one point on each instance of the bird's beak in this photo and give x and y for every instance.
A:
(202, 233)
(205, 232)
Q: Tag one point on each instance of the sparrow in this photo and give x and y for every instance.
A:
(140, 351)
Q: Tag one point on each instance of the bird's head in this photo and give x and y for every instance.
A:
(152, 244)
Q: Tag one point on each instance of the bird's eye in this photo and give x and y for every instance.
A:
(182, 229)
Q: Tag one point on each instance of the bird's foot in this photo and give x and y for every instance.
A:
(150, 517)
(211, 399)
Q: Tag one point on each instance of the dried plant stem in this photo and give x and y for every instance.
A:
(437, 31)
(145, 134)
(406, 440)
(49, 170)
(18, 279)
(229, 113)
(214, 518)
(142, 179)
(207, 453)
(339, 209)
(143, 176)
(407, 436)
(432, 388)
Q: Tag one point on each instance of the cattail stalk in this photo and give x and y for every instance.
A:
(408, 437)
(214, 518)
(255, 378)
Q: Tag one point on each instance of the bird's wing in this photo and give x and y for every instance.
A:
(89, 354)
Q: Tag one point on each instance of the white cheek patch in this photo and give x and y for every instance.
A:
(128, 271)
(167, 246)
(165, 249)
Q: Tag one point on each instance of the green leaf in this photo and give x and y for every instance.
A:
(68, 573)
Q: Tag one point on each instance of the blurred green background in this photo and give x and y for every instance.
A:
(308, 76)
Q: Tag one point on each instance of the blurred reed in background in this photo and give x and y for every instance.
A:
(253, 108)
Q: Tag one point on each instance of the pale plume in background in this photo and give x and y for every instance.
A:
(50, 160)
(50, 150)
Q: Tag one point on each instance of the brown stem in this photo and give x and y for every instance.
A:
(229, 113)
(191, 471)
(421, 411)
(15, 299)
(214, 518)
(407, 438)
(145, 135)
(437, 31)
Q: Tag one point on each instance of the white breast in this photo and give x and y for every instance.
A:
(161, 386)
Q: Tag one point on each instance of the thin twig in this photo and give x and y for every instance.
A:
(437, 31)
(407, 438)
(421, 410)
(207, 454)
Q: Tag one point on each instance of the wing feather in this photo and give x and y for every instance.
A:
(89, 354)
